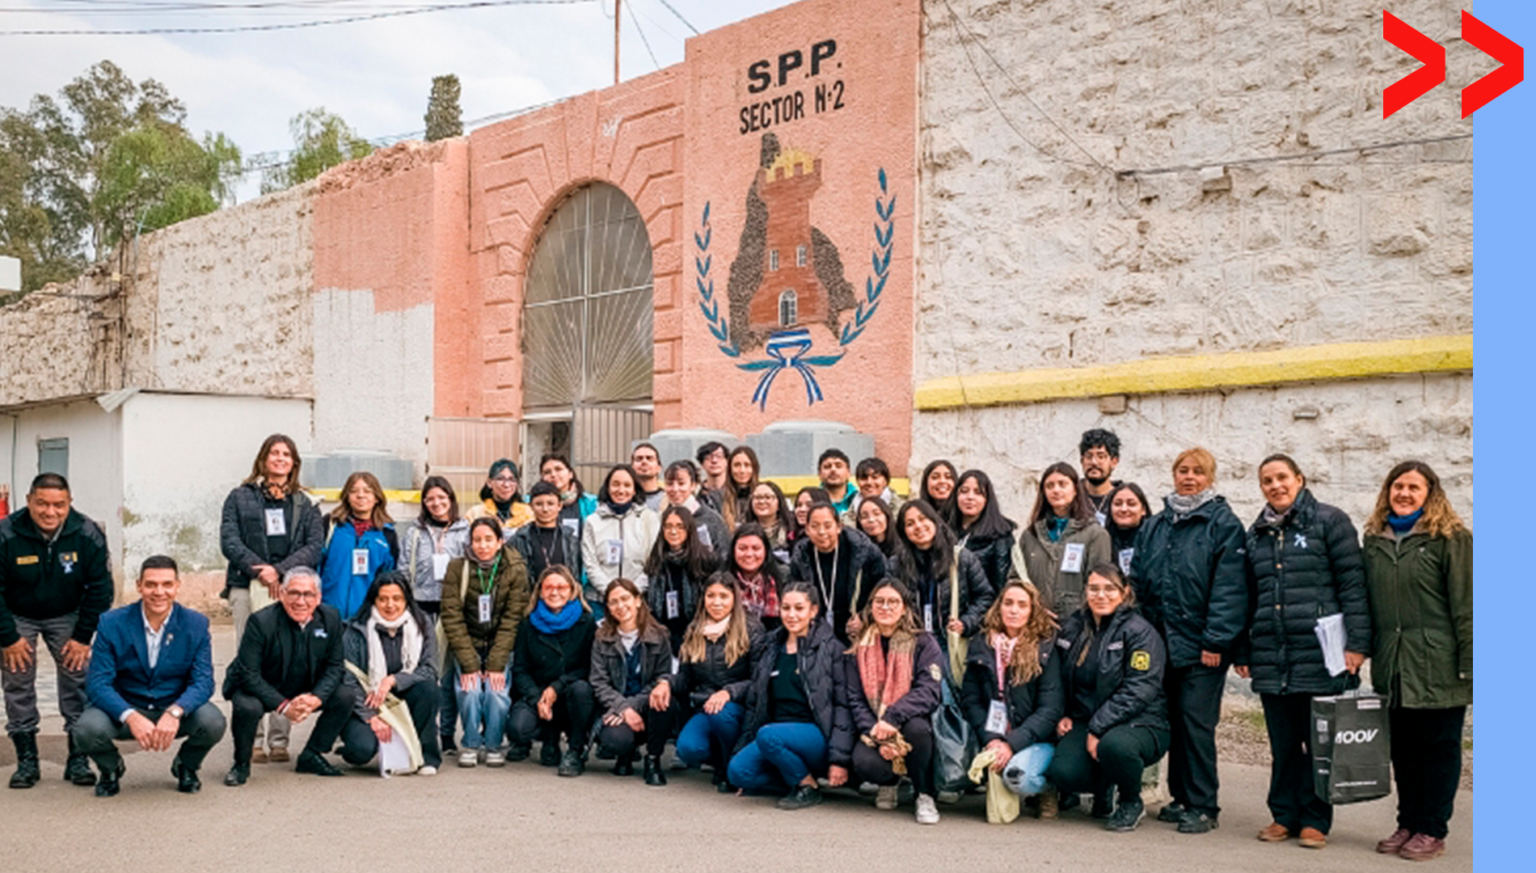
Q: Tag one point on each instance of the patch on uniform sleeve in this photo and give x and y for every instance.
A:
(1141, 660)
(935, 672)
(24, 560)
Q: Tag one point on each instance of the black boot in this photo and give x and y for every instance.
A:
(78, 768)
(573, 762)
(108, 786)
(654, 774)
(27, 770)
(624, 765)
(549, 753)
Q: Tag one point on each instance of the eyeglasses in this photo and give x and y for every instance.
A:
(509, 479)
(1101, 592)
(887, 602)
(302, 595)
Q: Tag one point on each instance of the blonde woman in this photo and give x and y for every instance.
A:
(715, 664)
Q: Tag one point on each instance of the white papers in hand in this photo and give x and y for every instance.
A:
(394, 756)
(1330, 635)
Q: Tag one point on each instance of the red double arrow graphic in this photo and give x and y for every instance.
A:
(1416, 84)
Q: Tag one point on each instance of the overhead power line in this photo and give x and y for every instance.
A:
(673, 10)
(253, 28)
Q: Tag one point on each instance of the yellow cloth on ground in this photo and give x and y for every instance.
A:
(1002, 803)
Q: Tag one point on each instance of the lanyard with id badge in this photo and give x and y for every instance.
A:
(483, 608)
(277, 526)
(1072, 559)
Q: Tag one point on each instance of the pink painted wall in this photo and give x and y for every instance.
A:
(872, 73)
(396, 223)
(630, 136)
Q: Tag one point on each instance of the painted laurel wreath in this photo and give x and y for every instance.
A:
(786, 349)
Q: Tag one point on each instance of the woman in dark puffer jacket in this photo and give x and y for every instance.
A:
(1304, 565)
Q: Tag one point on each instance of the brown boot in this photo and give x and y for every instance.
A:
(1422, 847)
(1274, 832)
(278, 755)
(258, 755)
(1312, 838)
(1049, 803)
(1393, 844)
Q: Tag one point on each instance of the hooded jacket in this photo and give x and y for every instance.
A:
(860, 565)
(608, 674)
(484, 647)
(996, 556)
(1128, 689)
(699, 680)
(243, 534)
(1190, 574)
(820, 659)
(354, 647)
(975, 594)
(416, 551)
(42, 578)
(1063, 590)
(1421, 602)
(920, 701)
(1034, 707)
(523, 540)
(544, 660)
(1306, 567)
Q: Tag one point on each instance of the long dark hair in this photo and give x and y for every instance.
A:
(517, 485)
(991, 523)
(914, 565)
(699, 560)
(733, 507)
(391, 577)
(738, 640)
(566, 462)
(946, 508)
(782, 513)
(752, 529)
(1124, 534)
(817, 494)
(886, 546)
(1081, 509)
(446, 487)
(645, 623)
(602, 493)
(259, 466)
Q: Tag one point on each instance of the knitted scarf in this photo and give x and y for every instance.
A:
(886, 677)
(547, 621)
(713, 630)
(1056, 525)
(1184, 504)
(410, 645)
(759, 594)
(1003, 646)
(1402, 524)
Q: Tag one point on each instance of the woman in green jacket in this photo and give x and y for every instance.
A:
(1418, 571)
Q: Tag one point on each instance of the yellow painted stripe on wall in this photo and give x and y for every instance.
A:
(790, 485)
(1325, 363)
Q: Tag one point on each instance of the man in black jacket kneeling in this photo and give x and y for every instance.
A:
(290, 662)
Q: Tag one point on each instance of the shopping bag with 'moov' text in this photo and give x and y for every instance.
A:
(1351, 748)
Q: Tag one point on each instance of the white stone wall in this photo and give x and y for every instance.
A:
(1034, 256)
(52, 342)
(373, 375)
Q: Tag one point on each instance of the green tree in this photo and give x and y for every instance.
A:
(321, 140)
(61, 205)
(443, 117)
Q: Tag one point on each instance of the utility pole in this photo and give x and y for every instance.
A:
(617, 21)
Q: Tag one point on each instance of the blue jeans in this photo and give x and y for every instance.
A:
(1024, 773)
(487, 705)
(780, 758)
(709, 739)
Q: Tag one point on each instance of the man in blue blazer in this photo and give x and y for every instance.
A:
(151, 680)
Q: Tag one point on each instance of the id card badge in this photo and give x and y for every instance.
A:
(359, 562)
(485, 609)
(1125, 557)
(613, 551)
(439, 566)
(573, 525)
(672, 604)
(276, 526)
(1100, 518)
(1072, 561)
(928, 617)
(704, 538)
(997, 718)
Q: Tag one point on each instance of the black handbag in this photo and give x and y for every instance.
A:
(954, 743)
(1351, 748)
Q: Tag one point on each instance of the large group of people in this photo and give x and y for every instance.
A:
(789, 645)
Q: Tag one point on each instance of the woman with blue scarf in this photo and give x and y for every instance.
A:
(549, 676)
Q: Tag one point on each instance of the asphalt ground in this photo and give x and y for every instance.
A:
(523, 816)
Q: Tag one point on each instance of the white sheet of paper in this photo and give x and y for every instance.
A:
(439, 566)
(1072, 559)
(276, 526)
(1330, 635)
(394, 757)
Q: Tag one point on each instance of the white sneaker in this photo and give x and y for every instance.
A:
(927, 812)
(495, 758)
(885, 797)
(469, 757)
(426, 770)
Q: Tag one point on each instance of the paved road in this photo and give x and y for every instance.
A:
(525, 816)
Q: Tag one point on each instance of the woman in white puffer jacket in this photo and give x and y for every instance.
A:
(616, 539)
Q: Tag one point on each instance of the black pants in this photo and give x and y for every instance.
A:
(1124, 751)
(97, 734)
(572, 717)
(359, 743)
(1194, 708)
(1293, 801)
(248, 709)
(1426, 762)
(660, 725)
(868, 766)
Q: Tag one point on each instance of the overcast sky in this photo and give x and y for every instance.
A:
(375, 74)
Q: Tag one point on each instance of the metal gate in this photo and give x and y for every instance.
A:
(601, 437)
(461, 450)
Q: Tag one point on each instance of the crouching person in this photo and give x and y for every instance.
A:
(890, 688)
(290, 662)
(1112, 663)
(391, 652)
(550, 664)
(631, 656)
(1012, 695)
(150, 680)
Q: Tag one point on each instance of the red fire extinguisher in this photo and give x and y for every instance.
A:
(5, 500)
